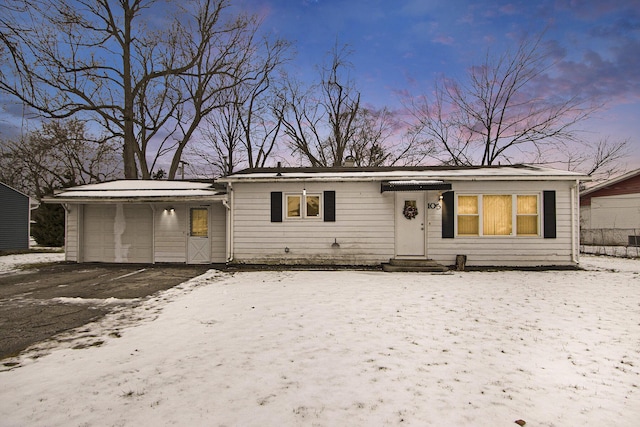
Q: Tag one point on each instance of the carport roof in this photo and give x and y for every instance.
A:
(138, 191)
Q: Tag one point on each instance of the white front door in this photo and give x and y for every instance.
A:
(410, 224)
(198, 245)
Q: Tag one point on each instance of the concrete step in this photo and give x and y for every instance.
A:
(413, 265)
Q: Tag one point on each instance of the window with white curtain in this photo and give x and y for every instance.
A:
(496, 214)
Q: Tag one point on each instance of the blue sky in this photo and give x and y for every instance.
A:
(402, 46)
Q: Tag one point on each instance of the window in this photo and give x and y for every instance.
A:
(313, 206)
(468, 215)
(294, 207)
(527, 216)
(497, 213)
(199, 222)
(303, 206)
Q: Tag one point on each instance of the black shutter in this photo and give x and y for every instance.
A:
(549, 206)
(329, 206)
(276, 206)
(447, 215)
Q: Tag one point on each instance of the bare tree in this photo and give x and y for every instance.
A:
(320, 121)
(60, 154)
(326, 123)
(601, 159)
(220, 146)
(378, 140)
(499, 113)
(147, 71)
(245, 130)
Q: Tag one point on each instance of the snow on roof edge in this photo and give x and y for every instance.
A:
(523, 172)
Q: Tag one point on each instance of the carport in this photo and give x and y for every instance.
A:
(144, 221)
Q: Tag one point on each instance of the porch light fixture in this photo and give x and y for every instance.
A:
(169, 209)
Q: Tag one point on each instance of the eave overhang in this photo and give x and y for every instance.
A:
(134, 199)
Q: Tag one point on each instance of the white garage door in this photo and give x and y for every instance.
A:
(117, 233)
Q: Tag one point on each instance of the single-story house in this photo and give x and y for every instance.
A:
(518, 215)
(610, 212)
(15, 212)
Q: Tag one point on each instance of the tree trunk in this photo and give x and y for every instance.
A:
(128, 152)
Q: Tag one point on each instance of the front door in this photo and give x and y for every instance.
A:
(198, 245)
(410, 224)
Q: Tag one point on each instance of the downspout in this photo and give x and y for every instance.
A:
(574, 253)
(66, 232)
(228, 204)
(153, 233)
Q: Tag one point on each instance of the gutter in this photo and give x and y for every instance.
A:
(404, 177)
(133, 199)
(574, 223)
(228, 203)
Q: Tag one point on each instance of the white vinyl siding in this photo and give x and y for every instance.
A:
(622, 211)
(170, 240)
(217, 233)
(364, 226)
(152, 233)
(509, 250)
(72, 235)
(365, 229)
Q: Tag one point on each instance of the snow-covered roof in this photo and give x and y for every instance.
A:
(437, 173)
(139, 191)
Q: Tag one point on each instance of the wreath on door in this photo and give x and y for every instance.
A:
(410, 210)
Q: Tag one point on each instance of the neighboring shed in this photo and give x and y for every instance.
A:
(610, 212)
(138, 221)
(494, 216)
(15, 217)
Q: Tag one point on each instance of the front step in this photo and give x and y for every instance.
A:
(413, 265)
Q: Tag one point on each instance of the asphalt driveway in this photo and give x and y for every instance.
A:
(37, 304)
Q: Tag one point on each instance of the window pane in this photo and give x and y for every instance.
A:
(467, 205)
(199, 222)
(527, 216)
(313, 206)
(468, 225)
(293, 206)
(497, 215)
(527, 225)
(527, 205)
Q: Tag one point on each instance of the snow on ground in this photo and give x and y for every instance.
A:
(11, 263)
(352, 348)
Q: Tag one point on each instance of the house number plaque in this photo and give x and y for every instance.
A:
(434, 206)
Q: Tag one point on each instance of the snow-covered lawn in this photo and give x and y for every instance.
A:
(11, 263)
(351, 348)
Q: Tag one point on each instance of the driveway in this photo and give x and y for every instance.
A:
(37, 304)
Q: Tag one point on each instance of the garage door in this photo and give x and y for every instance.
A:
(117, 233)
